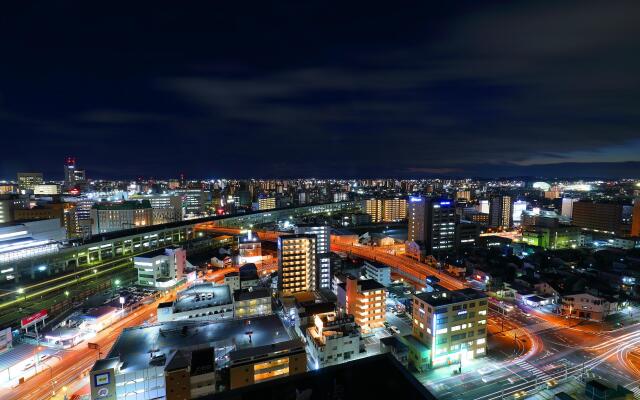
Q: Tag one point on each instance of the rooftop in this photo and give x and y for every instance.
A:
(254, 293)
(135, 346)
(437, 299)
(201, 296)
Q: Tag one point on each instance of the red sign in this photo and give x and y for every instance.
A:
(33, 318)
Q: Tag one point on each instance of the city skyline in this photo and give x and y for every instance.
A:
(477, 90)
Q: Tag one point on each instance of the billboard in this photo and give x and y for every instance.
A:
(33, 318)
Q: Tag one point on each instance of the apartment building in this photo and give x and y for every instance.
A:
(364, 299)
(296, 263)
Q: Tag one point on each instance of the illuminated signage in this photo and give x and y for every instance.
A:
(101, 379)
(415, 199)
(462, 312)
(445, 203)
(33, 318)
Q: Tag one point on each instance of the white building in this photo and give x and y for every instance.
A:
(204, 301)
(162, 268)
(378, 272)
(587, 306)
(333, 339)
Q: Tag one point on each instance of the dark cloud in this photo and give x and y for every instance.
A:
(324, 89)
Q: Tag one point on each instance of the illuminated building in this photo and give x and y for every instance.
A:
(162, 268)
(552, 237)
(6, 188)
(567, 207)
(27, 180)
(323, 263)
(25, 240)
(365, 300)
(386, 210)
(463, 195)
(600, 217)
(251, 302)
(635, 219)
(6, 210)
(193, 200)
(432, 221)
(166, 208)
(296, 263)
(72, 175)
(333, 338)
(501, 212)
(452, 325)
(46, 189)
(266, 203)
(249, 249)
(119, 216)
(518, 208)
(156, 361)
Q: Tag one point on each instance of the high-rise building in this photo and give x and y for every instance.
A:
(296, 263)
(432, 221)
(386, 210)
(72, 175)
(27, 180)
(600, 217)
(323, 262)
(635, 219)
(50, 189)
(449, 326)
(501, 212)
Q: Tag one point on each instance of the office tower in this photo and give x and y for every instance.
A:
(501, 212)
(386, 210)
(266, 203)
(600, 217)
(323, 263)
(449, 326)
(119, 216)
(72, 175)
(635, 219)
(432, 221)
(193, 200)
(296, 263)
(27, 180)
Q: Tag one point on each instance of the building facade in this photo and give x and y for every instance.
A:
(296, 263)
(432, 221)
(451, 324)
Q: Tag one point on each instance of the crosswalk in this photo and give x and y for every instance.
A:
(533, 370)
(636, 392)
(533, 328)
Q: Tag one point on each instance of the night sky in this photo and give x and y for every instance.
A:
(321, 88)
